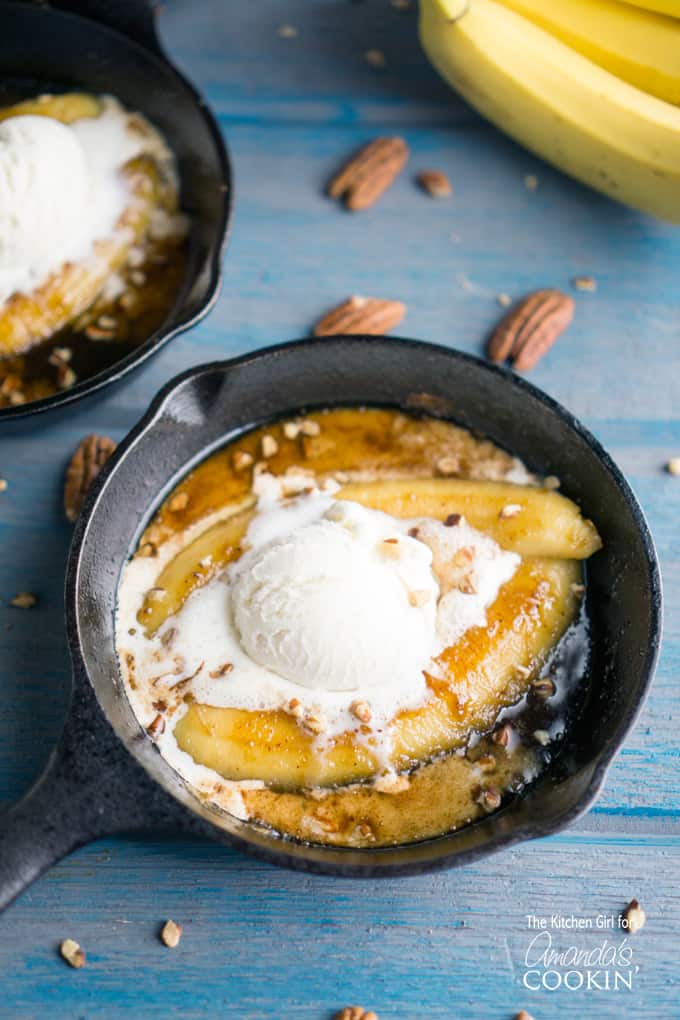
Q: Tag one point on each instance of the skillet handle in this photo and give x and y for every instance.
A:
(134, 18)
(91, 787)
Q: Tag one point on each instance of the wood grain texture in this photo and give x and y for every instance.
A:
(261, 943)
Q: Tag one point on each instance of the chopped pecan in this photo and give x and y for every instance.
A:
(86, 463)
(72, 953)
(170, 934)
(369, 172)
(358, 315)
(531, 328)
(435, 183)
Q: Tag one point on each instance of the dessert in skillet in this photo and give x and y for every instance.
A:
(357, 628)
(91, 239)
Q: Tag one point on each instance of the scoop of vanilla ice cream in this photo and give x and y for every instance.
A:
(44, 185)
(331, 606)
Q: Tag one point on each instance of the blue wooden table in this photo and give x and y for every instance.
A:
(263, 943)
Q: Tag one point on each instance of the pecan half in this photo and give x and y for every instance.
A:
(92, 453)
(369, 173)
(531, 328)
(361, 315)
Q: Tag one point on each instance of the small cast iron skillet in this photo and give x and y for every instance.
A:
(111, 46)
(107, 776)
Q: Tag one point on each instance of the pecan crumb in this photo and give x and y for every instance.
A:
(170, 934)
(634, 917)
(72, 953)
(314, 725)
(291, 429)
(178, 502)
(392, 783)
(453, 520)
(361, 710)
(222, 670)
(510, 510)
(587, 283)
(435, 183)
(447, 466)
(295, 708)
(148, 550)
(156, 727)
(488, 798)
(376, 58)
(269, 446)
(355, 1013)
(242, 460)
(390, 548)
(543, 687)
(467, 586)
(502, 735)
(24, 600)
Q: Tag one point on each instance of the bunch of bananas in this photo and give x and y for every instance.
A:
(592, 86)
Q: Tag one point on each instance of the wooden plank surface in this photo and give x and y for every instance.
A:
(259, 942)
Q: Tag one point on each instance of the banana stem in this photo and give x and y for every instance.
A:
(453, 10)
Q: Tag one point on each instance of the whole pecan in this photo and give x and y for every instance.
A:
(531, 327)
(84, 466)
(361, 315)
(369, 172)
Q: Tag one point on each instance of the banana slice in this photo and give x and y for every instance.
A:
(526, 520)
(486, 670)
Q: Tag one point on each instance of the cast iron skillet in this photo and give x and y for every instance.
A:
(107, 776)
(111, 46)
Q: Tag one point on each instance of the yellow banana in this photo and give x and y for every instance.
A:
(670, 7)
(641, 47)
(558, 103)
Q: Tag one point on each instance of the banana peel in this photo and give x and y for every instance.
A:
(557, 103)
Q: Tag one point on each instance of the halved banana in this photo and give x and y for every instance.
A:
(546, 524)
(522, 518)
(193, 567)
(484, 671)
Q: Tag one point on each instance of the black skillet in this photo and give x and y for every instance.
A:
(107, 776)
(111, 46)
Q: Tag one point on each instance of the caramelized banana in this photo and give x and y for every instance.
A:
(66, 108)
(524, 519)
(487, 669)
